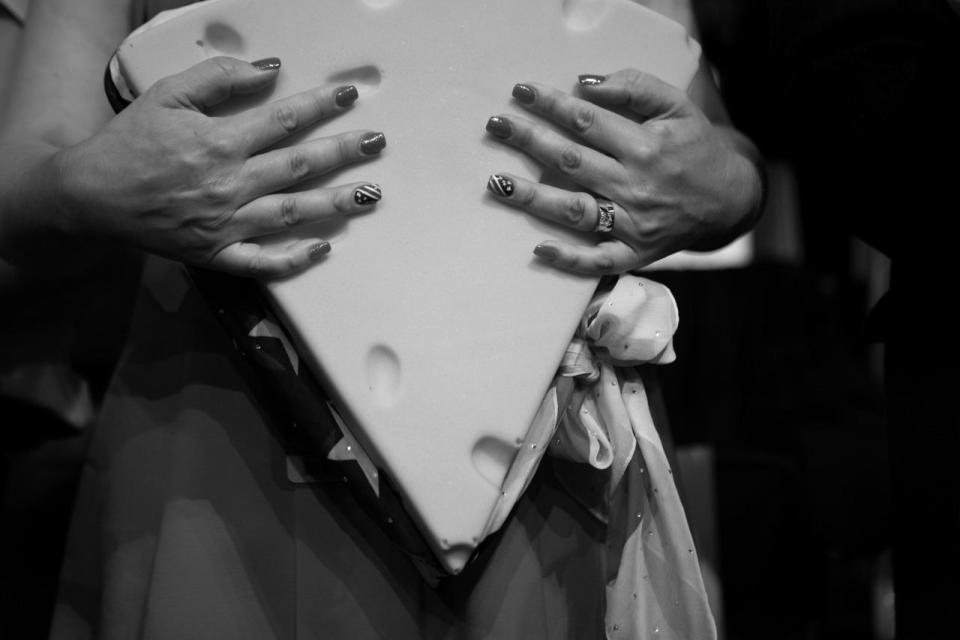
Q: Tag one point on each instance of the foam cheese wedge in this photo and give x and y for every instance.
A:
(434, 328)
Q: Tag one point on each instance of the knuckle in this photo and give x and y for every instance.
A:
(602, 264)
(575, 210)
(317, 105)
(547, 101)
(522, 135)
(220, 190)
(528, 197)
(570, 159)
(287, 117)
(257, 266)
(345, 149)
(583, 120)
(298, 164)
(219, 146)
(224, 66)
(636, 79)
(289, 211)
(344, 202)
(646, 152)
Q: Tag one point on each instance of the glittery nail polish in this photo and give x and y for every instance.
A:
(319, 250)
(372, 143)
(524, 93)
(590, 79)
(546, 252)
(367, 194)
(346, 96)
(499, 127)
(267, 64)
(500, 185)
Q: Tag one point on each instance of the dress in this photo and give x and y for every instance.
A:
(186, 525)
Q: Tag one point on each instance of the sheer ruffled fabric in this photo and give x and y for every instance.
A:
(654, 586)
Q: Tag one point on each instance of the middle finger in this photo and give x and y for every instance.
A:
(583, 165)
(598, 127)
(282, 168)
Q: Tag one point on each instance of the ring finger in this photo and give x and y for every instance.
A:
(282, 211)
(577, 210)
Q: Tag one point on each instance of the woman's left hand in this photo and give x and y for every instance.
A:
(643, 151)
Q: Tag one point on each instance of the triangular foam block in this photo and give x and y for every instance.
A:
(433, 325)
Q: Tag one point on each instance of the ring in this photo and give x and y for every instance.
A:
(605, 216)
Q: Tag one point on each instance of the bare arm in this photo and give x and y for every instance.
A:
(162, 176)
(55, 101)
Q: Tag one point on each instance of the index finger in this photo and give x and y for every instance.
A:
(271, 123)
(642, 93)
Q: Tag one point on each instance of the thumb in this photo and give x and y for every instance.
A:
(213, 81)
(645, 95)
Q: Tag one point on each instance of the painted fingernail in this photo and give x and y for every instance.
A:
(346, 96)
(499, 127)
(500, 185)
(267, 64)
(546, 252)
(524, 93)
(372, 143)
(318, 250)
(367, 194)
(591, 80)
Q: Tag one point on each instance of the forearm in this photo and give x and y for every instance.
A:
(55, 102)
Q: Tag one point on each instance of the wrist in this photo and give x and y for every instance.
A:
(41, 211)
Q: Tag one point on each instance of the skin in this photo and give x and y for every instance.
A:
(676, 180)
(162, 176)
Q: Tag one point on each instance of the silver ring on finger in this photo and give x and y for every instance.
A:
(605, 216)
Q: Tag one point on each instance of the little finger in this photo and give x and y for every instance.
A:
(250, 259)
(610, 257)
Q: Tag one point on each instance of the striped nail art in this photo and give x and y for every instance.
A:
(367, 194)
(500, 185)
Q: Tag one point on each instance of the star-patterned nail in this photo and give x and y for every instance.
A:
(500, 185)
(367, 194)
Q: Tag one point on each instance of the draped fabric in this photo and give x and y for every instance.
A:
(16, 8)
(187, 525)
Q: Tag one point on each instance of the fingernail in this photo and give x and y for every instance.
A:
(499, 127)
(524, 93)
(372, 143)
(346, 96)
(319, 250)
(267, 64)
(546, 252)
(500, 185)
(590, 80)
(367, 194)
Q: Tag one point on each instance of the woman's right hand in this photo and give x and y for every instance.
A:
(165, 177)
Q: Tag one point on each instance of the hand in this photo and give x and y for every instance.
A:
(165, 177)
(674, 180)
